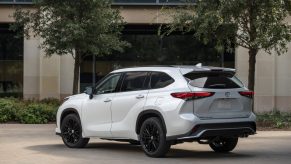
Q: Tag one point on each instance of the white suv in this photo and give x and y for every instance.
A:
(159, 106)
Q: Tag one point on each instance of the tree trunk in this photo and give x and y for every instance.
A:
(252, 68)
(76, 72)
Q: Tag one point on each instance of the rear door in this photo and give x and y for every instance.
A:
(228, 98)
(130, 99)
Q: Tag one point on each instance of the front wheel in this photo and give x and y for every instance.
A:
(72, 132)
(224, 144)
(153, 138)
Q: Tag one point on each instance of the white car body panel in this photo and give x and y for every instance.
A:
(116, 119)
(96, 115)
(125, 109)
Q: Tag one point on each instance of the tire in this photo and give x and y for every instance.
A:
(153, 138)
(223, 144)
(71, 129)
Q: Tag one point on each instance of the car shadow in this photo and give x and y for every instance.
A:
(123, 149)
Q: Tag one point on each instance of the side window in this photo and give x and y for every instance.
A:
(133, 81)
(160, 80)
(108, 85)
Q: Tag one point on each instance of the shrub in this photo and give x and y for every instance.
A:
(28, 111)
(8, 108)
(51, 101)
(37, 113)
(274, 119)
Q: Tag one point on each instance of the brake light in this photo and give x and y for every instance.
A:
(249, 94)
(192, 95)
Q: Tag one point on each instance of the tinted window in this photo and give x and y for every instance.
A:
(134, 81)
(109, 84)
(213, 80)
(160, 80)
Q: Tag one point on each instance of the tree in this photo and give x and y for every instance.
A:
(80, 28)
(252, 24)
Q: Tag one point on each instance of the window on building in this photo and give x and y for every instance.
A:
(11, 63)
(134, 1)
(15, 1)
(147, 48)
(152, 2)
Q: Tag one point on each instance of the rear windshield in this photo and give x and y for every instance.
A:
(213, 80)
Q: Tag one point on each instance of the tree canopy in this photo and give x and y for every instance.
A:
(80, 28)
(252, 24)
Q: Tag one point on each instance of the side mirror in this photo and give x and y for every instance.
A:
(89, 91)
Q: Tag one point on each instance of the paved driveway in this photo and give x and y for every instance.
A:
(38, 144)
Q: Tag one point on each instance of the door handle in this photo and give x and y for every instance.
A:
(140, 96)
(107, 100)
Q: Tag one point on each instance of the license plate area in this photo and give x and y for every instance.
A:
(224, 103)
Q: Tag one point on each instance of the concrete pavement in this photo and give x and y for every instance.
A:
(39, 144)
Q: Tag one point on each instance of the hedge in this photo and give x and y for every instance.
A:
(28, 112)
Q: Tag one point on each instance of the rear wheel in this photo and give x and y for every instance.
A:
(72, 132)
(224, 144)
(153, 138)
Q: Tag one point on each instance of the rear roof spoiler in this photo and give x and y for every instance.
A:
(187, 69)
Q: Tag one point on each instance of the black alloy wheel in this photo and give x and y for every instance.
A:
(72, 132)
(153, 138)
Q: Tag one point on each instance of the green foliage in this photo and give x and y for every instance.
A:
(253, 24)
(80, 28)
(274, 119)
(8, 109)
(28, 112)
(51, 101)
(90, 27)
(37, 114)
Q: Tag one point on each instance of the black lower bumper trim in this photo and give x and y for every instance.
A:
(206, 131)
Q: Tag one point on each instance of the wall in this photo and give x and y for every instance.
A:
(273, 79)
(43, 77)
(53, 77)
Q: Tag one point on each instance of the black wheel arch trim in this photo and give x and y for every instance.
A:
(69, 111)
(147, 112)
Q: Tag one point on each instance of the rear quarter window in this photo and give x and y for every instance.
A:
(160, 80)
(213, 80)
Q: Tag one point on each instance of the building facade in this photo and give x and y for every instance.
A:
(26, 72)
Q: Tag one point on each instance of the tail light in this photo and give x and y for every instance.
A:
(191, 95)
(249, 94)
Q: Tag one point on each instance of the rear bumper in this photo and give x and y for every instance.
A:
(208, 131)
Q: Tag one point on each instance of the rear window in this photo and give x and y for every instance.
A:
(213, 80)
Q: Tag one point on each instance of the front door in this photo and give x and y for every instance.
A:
(96, 111)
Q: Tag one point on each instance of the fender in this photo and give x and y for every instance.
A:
(146, 114)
